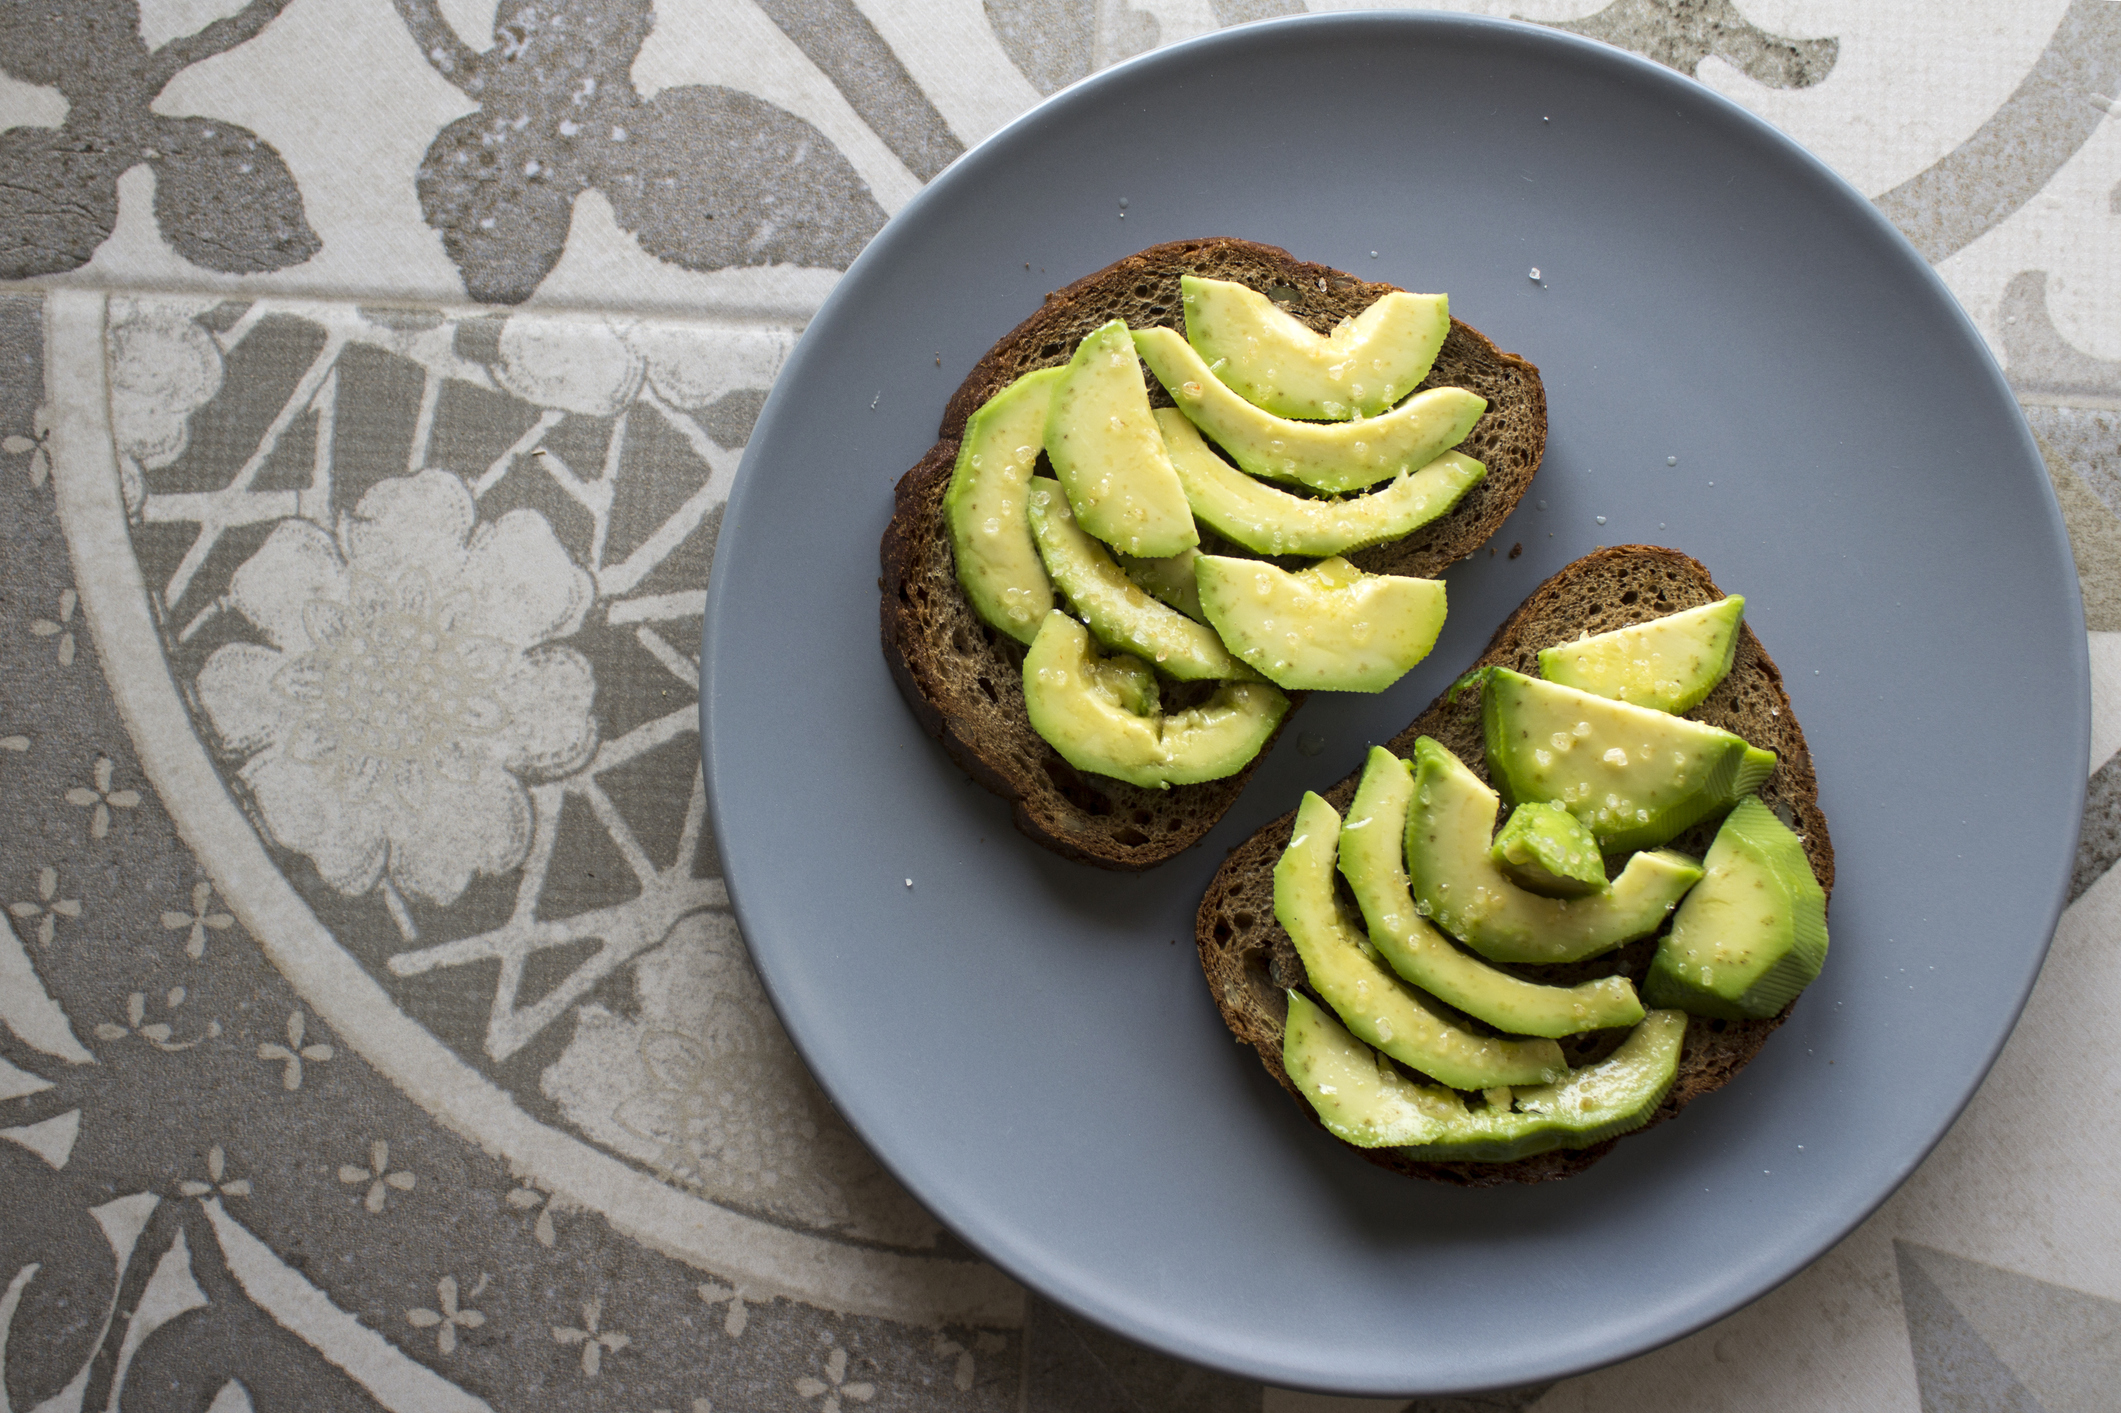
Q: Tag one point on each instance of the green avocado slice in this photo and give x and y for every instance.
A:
(1374, 1003)
(1113, 607)
(1458, 886)
(1364, 366)
(1170, 579)
(1753, 934)
(1545, 849)
(1365, 1101)
(1093, 712)
(1668, 664)
(1371, 861)
(1336, 457)
(1267, 521)
(1329, 627)
(1635, 777)
(997, 563)
(1108, 454)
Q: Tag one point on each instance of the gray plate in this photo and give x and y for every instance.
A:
(1028, 1044)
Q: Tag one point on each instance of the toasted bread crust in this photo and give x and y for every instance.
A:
(964, 680)
(1248, 959)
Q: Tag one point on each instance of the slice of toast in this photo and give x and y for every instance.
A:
(964, 679)
(1249, 959)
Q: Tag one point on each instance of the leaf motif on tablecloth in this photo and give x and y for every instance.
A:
(704, 177)
(224, 198)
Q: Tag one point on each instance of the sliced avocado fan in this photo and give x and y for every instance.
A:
(1450, 826)
(1113, 607)
(1371, 861)
(1095, 712)
(1264, 520)
(997, 563)
(1375, 1004)
(1364, 1101)
(1364, 366)
(1335, 457)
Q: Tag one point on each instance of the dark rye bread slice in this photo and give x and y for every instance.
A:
(1249, 959)
(964, 679)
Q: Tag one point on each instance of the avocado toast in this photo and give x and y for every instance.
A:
(1252, 964)
(964, 679)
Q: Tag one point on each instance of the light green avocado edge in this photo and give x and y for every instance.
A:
(1755, 856)
(1102, 440)
(997, 564)
(1701, 642)
(1546, 849)
(1370, 1000)
(1277, 363)
(1114, 608)
(1365, 1102)
(1523, 717)
(1328, 627)
(1450, 827)
(1371, 859)
(1264, 520)
(1090, 720)
(1335, 457)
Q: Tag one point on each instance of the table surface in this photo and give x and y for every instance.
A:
(445, 1082)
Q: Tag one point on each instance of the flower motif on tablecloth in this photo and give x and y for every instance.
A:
(164, 366)
(409, 679)
(48, 908)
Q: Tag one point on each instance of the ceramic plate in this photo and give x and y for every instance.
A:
(1743, 360)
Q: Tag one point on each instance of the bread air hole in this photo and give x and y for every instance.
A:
(1130, 836)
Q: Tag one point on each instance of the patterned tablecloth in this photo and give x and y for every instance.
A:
(376, 1032)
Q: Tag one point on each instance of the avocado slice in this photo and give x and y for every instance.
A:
(1169, 579)
(1267, 521)
(1365, 1101)
(1364, 366)
(1374, 1003)
(1105, 449)
(1093, 712)
(1371, 860)
(1635, 777)
(1669, 663)
(1545, 849)
(1753, 934)
(1336, 457)
(997, 563)
(1458, 886)
(1114, 608)
(1330, 627)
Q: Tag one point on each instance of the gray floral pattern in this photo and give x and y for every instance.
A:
(223, 198)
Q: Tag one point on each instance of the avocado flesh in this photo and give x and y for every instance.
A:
(1545, 849)
(1108, 454)
(997, 563)
(1093, 712)
(1753, 933)
(1633, 776)
(1668, 664)
(1329, 627)
(1272, 361)
(1371, 860)
(1112, 606)
(1457, 885)
(1169, 579)
(1336, 457)
(1267, 521)
(1364, 1101)
(1371, 1001)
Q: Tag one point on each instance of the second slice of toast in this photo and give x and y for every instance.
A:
(1249, 961)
